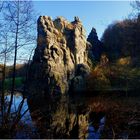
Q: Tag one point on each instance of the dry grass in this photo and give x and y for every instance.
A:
(122, 115)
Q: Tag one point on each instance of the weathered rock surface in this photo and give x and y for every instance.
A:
(61, 51)
(62, 60)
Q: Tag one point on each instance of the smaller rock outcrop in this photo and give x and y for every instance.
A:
(97, 46)
(78, 83)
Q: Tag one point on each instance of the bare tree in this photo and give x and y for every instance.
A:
(1, 5)
(19, 15)
(136, 5)
(4, 52)
(16, 34)
(136, 8)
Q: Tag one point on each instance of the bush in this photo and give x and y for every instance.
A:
(97, 80)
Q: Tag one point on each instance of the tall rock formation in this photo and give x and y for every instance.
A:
(97, 46)
(61, 57)
(61, 62)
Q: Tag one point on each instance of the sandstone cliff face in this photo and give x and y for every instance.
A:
(61, 56)
(61, 62)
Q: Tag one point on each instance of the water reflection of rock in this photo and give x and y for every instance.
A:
(64, 118)
(59, 118)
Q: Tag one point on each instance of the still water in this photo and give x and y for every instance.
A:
(78, 117)
(43, 118)
(26, 120)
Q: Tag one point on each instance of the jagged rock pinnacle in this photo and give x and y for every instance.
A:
(61, 50)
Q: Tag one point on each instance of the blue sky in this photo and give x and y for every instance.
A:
(98, 14)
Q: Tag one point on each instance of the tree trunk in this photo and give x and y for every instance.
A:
(3, 88)
(14, 66)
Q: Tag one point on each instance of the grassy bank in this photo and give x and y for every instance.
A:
(18, 82)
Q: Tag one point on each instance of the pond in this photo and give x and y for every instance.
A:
(26, 120)
(82, 117)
